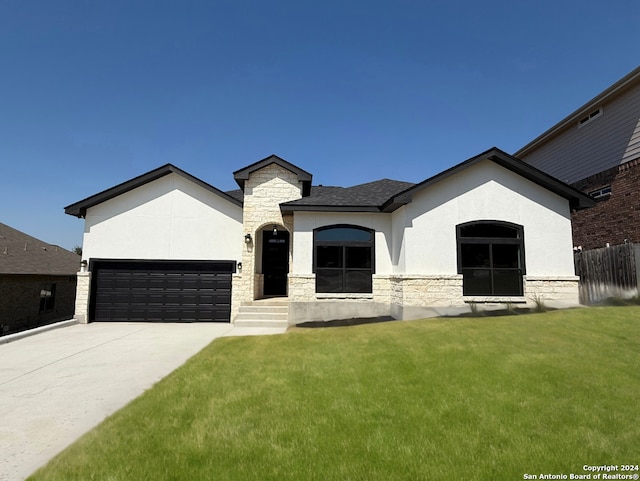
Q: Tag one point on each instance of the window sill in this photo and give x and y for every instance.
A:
(494, 299)
(344, 295)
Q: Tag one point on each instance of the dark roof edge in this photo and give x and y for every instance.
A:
(577, 199)
(328, 208)
(79, 209)
(607, 94)
(243, 173)
(305, 177)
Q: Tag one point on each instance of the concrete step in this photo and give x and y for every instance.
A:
(260, 323)
(284, 310)
(264, 313)
(271, 301)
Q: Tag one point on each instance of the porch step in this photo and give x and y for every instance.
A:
(264, 313)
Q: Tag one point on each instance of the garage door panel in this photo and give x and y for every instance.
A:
(189, 282)
(161, 291)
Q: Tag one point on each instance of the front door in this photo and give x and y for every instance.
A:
(275, 262)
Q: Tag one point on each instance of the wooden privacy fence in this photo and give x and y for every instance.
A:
(608, 272)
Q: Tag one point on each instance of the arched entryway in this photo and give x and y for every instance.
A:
(275, 261)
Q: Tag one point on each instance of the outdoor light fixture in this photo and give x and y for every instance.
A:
(247, 239)
(275, 230)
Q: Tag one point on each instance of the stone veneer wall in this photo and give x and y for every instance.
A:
(83, 287)
(264, 191)
(419, 296)
(558, 292)
(307, 305)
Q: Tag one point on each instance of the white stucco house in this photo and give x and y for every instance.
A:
(166, 246)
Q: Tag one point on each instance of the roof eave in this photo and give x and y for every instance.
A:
(242, 175)
(286, 208)
(615, 89)
(79, 209)
(577, 200)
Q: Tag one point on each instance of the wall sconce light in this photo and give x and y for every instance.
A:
(83, 266)
(247, 239)
(275, 230)
(239, 266)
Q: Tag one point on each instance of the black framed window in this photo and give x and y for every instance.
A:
(343, 259)
(47, 297)
(491, 258)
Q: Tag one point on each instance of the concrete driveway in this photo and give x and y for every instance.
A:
(59, 384)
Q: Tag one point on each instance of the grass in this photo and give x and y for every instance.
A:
(474, 399)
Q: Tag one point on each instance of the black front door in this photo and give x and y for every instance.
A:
(275, 262)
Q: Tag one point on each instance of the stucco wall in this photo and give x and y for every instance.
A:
(485, 191)
(416, 249)
(169, 218)
(306, 222)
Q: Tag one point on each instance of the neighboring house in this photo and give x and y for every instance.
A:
(597, 150)
(37, 281)
(166, 246)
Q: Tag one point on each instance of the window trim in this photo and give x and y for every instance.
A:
(47, 302)
(344, 244)
(601, 193)
(518, 240)
(591, 116)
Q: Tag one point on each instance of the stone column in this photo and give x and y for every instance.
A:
(264, 191)
(83, 287)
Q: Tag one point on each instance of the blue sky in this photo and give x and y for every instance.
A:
(95, 93)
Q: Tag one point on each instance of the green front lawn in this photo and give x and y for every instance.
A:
(451, 399)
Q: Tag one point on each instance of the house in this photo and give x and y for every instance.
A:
(166, 246)
(596, 149)
(37, 281)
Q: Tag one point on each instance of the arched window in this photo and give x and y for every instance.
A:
(491, 258)
(343, 258)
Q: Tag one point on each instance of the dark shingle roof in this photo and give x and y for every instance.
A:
(362, 197)
(22, 254)
(236, 194)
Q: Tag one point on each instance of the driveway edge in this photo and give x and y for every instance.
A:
(37, 330)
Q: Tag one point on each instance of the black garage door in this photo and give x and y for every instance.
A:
(161, 291)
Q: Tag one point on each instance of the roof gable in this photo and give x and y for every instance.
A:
(21, 253)
(577, 200)
(303, 176)
(79, 209)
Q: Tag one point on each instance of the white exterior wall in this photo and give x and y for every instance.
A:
(416, 249)
(484, 191)
(306, 222)
(169, 218)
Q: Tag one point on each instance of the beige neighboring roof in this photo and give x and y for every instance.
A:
(616, 89)
(22, 254)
